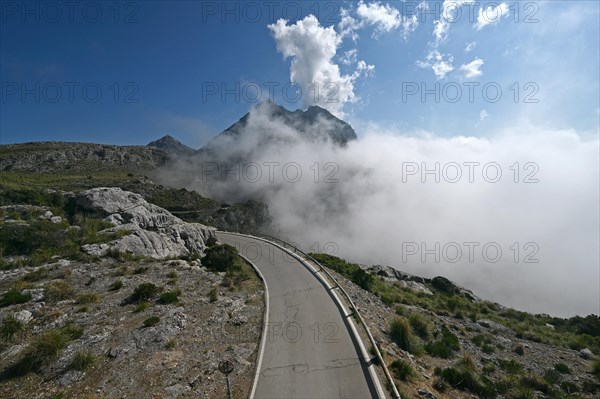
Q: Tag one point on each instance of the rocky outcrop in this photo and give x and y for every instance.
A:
(419, 284)
(44, 157)
(149, 230)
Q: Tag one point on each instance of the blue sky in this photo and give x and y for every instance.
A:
(155, 63)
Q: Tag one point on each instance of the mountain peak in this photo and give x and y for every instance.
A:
(171, 145)
(313, 123)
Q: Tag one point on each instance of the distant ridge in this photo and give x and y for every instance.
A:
(172, 146)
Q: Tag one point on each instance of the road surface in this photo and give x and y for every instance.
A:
(309, 352)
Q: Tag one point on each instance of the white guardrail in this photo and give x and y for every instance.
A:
(298, 252)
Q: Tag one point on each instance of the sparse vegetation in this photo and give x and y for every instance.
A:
(10, 329)
(169, 297)
(14, 297)
(562, 368)
(445, 345)
(59, 291)
(402, 370)
(82, 361)
(212, 295)
(45, 349)
(151, 321)
(116, 285)
(87, 298)
(144, 292)
(171, 343)
(401, 334)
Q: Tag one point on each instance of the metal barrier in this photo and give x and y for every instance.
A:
(351, 304)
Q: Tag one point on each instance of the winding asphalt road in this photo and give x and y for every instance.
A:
(308, 351)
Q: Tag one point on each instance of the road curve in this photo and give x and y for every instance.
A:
(308, 351)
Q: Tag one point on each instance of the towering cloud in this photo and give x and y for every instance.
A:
(312, 48)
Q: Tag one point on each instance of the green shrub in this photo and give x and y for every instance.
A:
(222, 258)
(522, 392)
(420, 325)
(72, 330)
(44, 349)
(14, 297)
(212, 295)
(10, 328)
(87, 298)
(487, 348)
(562, 368)
(144, 292)
(401, 334)
(468, 381)
(402, 370)
(82, 361)
(172, 274)
(169, 297)
(171, 343)
(445, 346)
(510, 366)
(116, 285)
(151, 321)
(58, 291)
(519, 350)
(141, 306)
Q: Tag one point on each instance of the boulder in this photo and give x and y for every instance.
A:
(154, 232)
(586, 353)
(24, 316)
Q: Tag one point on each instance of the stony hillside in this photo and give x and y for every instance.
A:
(44, 157)
(104, 295)
(441, 341)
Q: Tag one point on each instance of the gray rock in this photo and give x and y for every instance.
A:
(37, 294)
(98, 250)
(56, 219)
(69, 378)
(155, 233)
(24, 316)
(177, 389)
(586, 353)
(493, 325)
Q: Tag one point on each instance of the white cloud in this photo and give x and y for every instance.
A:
(483, 115)
(312, 48)
(384, 17)
(374, 195)
(491, 15)
(470, 46)
(349, 57)
(449, 15)
(471, 70)
(440, 63)
(348, 25)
